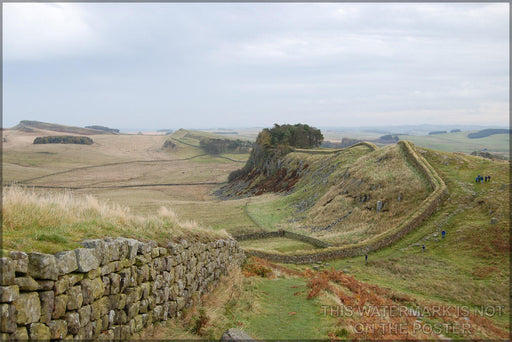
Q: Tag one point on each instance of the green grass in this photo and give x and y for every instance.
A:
(285, 312)
(279, 244)
(459, 142)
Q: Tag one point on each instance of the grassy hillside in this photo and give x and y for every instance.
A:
(55, 222)
(459, 142)
(32, 126)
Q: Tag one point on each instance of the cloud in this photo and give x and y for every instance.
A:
(34, 31)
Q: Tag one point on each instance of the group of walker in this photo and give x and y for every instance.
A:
(480, 179)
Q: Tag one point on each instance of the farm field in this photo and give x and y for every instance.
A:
(469, 268)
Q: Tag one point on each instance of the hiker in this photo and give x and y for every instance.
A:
(423, 247)
(489, 178)
(443, 233)
(366, 258)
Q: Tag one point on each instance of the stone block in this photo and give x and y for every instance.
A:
(58, 329)
(8, 314)
(60, 305)
(115, 283)
(28, 307)
(92, 289)
(47, 299)
(9, 293)
(26, 283)
(7, 274)
(73, 321)
(86, 259)
(84, 314)
(117, 301)
(42, 266)
(100, 308)
(66, 262)
(45, 285)
(21, 334)
(75, 299)
(20, 260)
(39, 332)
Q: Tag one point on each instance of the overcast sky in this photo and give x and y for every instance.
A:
(207, 65)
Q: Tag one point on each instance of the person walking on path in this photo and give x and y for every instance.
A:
(423, 247)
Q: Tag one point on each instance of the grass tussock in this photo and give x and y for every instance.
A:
(57, 221)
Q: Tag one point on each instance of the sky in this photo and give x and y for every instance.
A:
(212, 65)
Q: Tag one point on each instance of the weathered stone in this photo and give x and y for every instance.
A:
(73, 321)
(127, 279)
(66, 262)
(47, 299)
(106, 336)
(45, 285)
(61, 285)
(76, 298)
(133, 294)
(74, 278)
(120, 317)
(9, 293)
(96, 329)
(21, 334)
(84, 314)
(20, 260)
(26, 283)
(93, 274)
(6, 272)
(58, 329)
(139, 323)
(98, 246)
(379, 206)
(28, 307)
(92, 289)
(117, 301)
(133, 310)
(8, 314)
(233, 335)
(60, 305)
(42, 266)
(39, 332)
(115, 283)
(100, 308)
(84, 333)
(86, 259)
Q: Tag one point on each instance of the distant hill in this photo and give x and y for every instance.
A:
(488, 132)
(103, 128)
(33, 126)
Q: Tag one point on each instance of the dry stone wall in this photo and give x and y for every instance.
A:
(108, 290)
(424, 210)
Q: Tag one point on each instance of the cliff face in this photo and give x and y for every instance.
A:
(110, 289)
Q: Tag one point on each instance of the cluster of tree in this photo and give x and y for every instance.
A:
(436, 132)
(63, 139)
(455, 130)
(273, 143)
(298, 135)
(103, 128)
(218, 146)
(488, 132)
(168, 144)
(389, 137)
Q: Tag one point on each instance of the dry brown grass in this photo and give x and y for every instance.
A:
(58, 221)
(383, 175)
